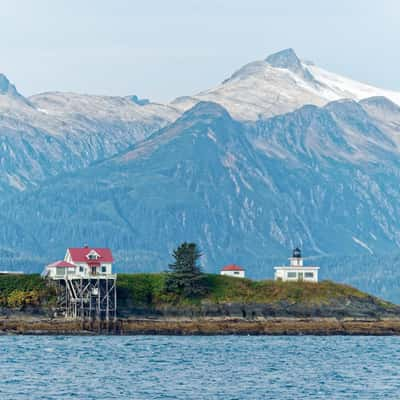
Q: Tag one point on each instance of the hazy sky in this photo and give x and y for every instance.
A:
(163, 49)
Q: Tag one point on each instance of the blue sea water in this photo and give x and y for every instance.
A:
(199, 367)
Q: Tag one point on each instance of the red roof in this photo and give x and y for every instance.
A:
(79, 254)
(232, 267)
(62, 264)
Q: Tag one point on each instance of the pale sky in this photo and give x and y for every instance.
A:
(163, 49)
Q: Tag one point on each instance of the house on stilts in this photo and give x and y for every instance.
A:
(86, 286)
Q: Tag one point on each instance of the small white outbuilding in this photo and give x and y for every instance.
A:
(233, 270)
(296, 271)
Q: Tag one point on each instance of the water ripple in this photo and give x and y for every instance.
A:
(212, 367)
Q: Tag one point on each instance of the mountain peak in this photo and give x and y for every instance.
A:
(288, 59)
(6, 87)
(346, 107)
(207, 109)
(380, 102)
(140, 102)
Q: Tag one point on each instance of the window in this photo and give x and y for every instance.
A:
(103, 269)
(309, 274)
(92, 255)
(81, 269)
(60, 271)
(292, 274)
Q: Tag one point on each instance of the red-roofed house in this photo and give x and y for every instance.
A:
(82, 262)
(233, 270)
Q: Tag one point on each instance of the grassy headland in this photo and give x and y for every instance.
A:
(148, 289)
(144, 294)
(229, 306)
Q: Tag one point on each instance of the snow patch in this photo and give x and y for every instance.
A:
(345, 87)
(16, 182)
(362, 244)
(211, 135)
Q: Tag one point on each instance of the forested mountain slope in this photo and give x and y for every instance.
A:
(322, 178)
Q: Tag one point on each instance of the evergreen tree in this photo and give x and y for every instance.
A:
(184, 275)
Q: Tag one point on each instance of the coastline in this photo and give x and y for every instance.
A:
(202, 326)
(230, 307)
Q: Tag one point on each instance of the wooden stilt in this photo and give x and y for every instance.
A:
(92, 298)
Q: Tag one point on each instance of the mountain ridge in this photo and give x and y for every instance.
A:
(264, 146)
(278, 84)
(246, 172)
(52, 133)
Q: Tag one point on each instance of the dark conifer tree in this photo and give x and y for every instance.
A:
(184, 275)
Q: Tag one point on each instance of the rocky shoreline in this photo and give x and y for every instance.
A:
(201, 326)
(230, 307)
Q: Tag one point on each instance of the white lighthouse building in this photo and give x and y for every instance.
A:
(296, 271)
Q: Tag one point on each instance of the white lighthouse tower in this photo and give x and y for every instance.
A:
(296, 260)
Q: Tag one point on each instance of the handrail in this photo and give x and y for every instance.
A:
(85, 276)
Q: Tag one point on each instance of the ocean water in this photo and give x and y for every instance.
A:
(199, 367)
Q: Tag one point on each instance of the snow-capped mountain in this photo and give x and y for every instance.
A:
(51, 133)
(281, 83)
(285, 154)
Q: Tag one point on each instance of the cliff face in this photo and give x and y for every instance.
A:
(353, 308)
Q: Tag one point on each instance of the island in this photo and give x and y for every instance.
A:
(28, 305)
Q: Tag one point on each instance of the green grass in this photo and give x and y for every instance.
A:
(147, 290)
(141, 289)
(225, 289)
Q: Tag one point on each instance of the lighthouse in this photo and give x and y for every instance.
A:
(296, 270)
